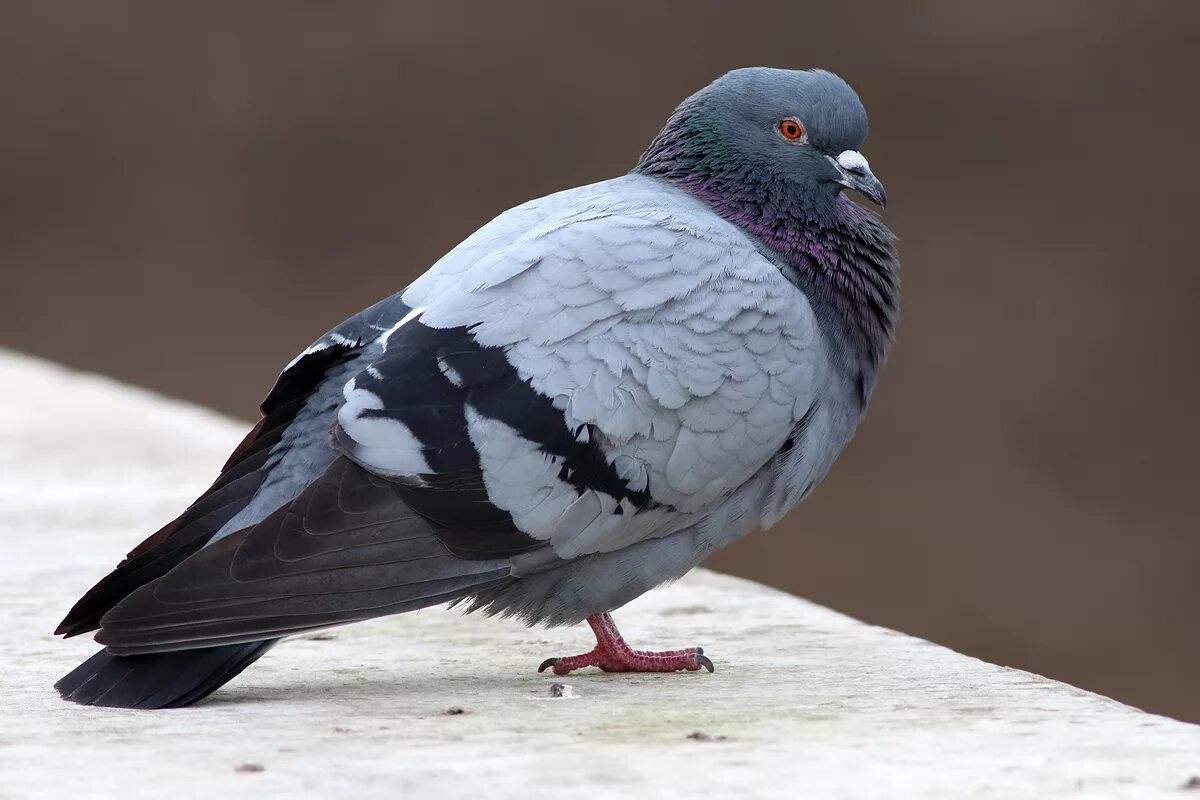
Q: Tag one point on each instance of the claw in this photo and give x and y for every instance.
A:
(612, 654)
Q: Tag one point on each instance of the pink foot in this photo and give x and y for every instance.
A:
(612, 654)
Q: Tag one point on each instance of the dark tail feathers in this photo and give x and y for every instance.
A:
(157, 680)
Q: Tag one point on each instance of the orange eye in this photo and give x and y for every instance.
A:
(791, 129)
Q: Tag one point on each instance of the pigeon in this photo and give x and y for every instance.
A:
(581, 401)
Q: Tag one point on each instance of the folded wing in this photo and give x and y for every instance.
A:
(348, 548)
(563, 385)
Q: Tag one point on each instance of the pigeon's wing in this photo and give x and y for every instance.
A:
(359, 542)
(295, 417)
(348, 548)
(609, 374)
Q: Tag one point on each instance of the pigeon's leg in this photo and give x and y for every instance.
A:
(612, 654)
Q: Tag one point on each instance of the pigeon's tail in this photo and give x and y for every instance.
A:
(157, 680)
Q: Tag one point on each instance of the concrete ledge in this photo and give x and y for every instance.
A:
(805, 702)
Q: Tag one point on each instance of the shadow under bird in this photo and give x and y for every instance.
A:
(582, 400)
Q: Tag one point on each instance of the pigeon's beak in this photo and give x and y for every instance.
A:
(856, 174)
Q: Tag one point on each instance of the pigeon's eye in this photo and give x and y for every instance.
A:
(792, 129)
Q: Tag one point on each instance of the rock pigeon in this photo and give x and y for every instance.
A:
(581, 401)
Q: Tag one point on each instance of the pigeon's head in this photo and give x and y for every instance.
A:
(777, 131)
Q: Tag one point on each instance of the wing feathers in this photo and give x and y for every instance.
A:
(161, 551)
(348, 548)
(242, 476)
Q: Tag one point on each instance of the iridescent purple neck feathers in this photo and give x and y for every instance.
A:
(842, 256)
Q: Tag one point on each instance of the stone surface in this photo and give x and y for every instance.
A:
(805, 702)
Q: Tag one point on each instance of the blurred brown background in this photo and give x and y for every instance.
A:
(190, 193)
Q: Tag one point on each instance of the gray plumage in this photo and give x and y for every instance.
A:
(584, 399)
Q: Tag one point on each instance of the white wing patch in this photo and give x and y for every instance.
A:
(384, 443)
(407, 318)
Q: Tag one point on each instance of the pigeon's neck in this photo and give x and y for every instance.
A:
(836, 251)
